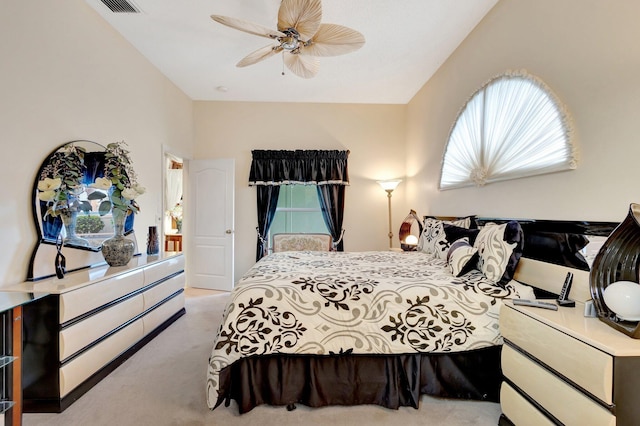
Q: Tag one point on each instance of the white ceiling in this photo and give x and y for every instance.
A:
(406, 42)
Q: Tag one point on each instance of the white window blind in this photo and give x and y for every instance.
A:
(512, 127)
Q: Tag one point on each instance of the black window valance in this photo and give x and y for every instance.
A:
(310, 167)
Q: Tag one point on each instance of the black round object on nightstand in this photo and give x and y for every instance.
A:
(617, 260)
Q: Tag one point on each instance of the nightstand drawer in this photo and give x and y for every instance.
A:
(562, 400)
(585, 365)
(519, 410)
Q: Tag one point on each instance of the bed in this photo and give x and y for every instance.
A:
(347, 328)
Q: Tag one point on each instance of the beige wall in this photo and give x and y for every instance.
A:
(66, 75)
(374, 134)
(588, 52)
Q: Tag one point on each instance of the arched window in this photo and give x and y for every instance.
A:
(512, 127)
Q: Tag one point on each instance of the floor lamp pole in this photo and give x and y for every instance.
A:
(389, 186)
(389, 191)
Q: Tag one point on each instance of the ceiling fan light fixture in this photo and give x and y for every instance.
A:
(303, 36)
(291, 41)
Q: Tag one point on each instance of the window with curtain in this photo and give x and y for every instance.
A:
(512, 127)
(298, 211)
(325, 170)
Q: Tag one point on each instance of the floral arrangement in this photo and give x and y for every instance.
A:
(60, 182)
(176, 214)
(121, 179)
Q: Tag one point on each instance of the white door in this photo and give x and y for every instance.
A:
(209, 230)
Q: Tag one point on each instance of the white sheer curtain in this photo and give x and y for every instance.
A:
(173, 187)
(512, 127)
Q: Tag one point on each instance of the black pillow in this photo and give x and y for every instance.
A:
(554, 247)
(513, 233)
(454, 233)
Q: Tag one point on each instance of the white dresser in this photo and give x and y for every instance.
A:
(92, 321)
(562, 368)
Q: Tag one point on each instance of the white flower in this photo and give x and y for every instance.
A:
(140, 189)
(48, 184)
(101, 183)
(48, 195)
(129, 193)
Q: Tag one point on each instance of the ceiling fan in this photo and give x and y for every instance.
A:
(300, 37)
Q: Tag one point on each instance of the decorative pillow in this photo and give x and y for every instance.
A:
(433, 239)
(558, 248)
(461, 257)
(468, 222)
(454, 233)
(499, 249)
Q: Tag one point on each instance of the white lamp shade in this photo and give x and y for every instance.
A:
(389, 185)
(623, 298)
(411, 240)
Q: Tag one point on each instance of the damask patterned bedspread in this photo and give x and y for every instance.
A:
(356, 302)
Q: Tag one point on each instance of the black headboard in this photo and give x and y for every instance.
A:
(602, 229)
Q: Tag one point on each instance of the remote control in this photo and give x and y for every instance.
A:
(535, 304)
(566, 288)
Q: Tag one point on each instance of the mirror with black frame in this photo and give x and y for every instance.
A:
(67, 209)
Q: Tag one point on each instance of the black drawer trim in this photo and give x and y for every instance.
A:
(55, 405)
(610, 408)
(120, 327)
(533, 402)
(116, 301)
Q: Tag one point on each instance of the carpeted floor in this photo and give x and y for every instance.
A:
(164, 384)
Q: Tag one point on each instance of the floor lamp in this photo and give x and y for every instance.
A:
(389, 186)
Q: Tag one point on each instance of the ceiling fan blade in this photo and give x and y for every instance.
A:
(259, 55)
(303, 15)
(333, 40)
(247, 27)
(302, 66)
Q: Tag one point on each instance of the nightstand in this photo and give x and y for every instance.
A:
(562, 368)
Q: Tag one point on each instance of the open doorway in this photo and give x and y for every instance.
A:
(172, 223)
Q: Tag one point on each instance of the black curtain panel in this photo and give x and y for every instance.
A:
(272, 168)
(267, 198)
(332, 204)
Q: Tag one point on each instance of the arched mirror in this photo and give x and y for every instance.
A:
(67, 209)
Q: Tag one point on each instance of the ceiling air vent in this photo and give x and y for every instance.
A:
(120, 6)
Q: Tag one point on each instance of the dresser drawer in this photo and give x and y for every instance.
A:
(160, 314)
(158, 271)
(78, 302)
(81, 368)
(562, 400)
(163, 290)
(79, 335)
(585, 365)
(519, 410)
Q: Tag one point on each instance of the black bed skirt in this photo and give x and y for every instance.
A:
(389, 381)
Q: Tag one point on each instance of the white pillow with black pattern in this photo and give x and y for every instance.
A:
(494, 252)
(433, 240)
(461, 257)
(462, 223)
